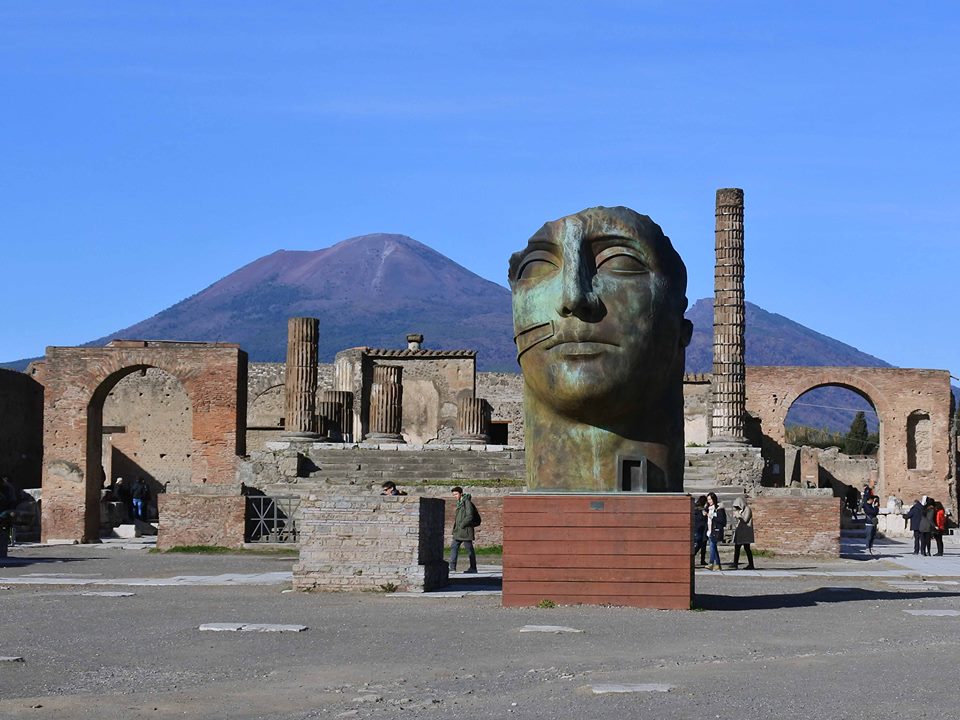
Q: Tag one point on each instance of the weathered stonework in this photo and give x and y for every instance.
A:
(371, 542)
(896, 394)
(473, 421)
(76, 384)
(729, 321)
(201, 520)
(301, 377)
(386, 404)
(21, 428)
(433, 382)
(797, 522)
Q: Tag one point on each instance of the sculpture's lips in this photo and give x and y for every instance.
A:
(579, 346)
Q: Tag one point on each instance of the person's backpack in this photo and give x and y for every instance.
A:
(476, 520)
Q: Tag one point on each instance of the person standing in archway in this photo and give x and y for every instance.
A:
(141, 497)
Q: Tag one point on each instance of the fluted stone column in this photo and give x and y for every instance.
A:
(729, 322)
(328, 420)
(300, 391)
(473, 421)
(344, 398)
(386, 402)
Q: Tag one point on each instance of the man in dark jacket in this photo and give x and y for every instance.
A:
(463, 529)
(914, 515)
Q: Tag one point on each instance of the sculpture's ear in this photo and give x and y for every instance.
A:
(686, 332)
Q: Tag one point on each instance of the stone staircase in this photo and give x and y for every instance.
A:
(700, 478)
(353, 465)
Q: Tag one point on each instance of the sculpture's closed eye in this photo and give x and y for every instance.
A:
(535, 265)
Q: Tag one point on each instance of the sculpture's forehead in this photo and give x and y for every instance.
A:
(594, 223)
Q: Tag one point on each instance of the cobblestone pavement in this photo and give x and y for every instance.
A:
(799, 637)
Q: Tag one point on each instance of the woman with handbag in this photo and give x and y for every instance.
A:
(716, 521)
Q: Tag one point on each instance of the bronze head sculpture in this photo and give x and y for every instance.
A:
(598, 303)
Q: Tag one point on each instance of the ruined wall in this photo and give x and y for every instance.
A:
(21, 428)
(696, 409)
(76, 384)
(898, 395)
(433, 381)
(365, 542)
(148, 431)
(201, 520)
(797, 522)
(504, 392)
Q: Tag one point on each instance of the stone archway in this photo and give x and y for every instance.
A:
(897, 395)
(76, 383)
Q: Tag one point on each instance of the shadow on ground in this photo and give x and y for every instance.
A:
(9, 562)
(810, 598)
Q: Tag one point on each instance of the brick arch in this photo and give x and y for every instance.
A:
(847, 381)
(77, 381)
(895, 393)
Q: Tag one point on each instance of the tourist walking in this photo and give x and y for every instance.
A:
(8, 507)
(743, 534)
(464, 522)
(140, 494)
(716, 521)
(871, 512)
(914, 515)
(700, 529)
(939, 525)
(926, 526)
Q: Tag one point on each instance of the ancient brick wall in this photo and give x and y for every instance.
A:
(433, 381)
(21, 428)
(797, 524)
(148, 431)
(696, 409)
(504, 392)
(363, 542)
(897, 395)
(76, 384)
(201, 520)
(490, 507)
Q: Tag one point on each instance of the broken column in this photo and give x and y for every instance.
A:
(473, 421)
(344, 423)
(386, 402)
(300, 391)
(328, 420)
(729, 322)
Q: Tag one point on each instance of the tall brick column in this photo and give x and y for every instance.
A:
(386, 402)
(729, 322)
(344, 398)
(473, 421)
(300, 392)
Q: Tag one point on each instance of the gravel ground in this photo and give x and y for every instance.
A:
(828, 647)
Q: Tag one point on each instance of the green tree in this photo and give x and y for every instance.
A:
(856, 441)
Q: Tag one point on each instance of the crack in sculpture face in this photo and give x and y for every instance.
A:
(598, 303)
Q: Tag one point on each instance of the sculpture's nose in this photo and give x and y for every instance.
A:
(577, 296)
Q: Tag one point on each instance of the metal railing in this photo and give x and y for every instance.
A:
(272, 519)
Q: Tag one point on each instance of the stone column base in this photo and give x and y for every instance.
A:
(383, 438)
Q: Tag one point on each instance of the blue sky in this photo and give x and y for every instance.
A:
(148, 149)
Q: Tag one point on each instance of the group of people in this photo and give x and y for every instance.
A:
(928, 522)
(465, 521)
(136, 497)
(709, 524)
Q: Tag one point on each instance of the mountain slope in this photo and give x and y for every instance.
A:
(374, 289)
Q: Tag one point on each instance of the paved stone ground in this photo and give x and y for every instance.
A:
(799, 638)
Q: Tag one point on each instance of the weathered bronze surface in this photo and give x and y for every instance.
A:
(598, 303)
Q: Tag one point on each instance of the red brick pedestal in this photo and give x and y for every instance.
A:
(598, 549)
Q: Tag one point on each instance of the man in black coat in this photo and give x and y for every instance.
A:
(915, 515)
